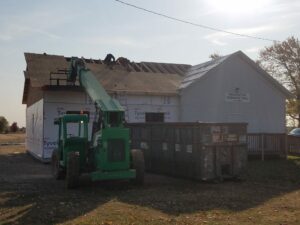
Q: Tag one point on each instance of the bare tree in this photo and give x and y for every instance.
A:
(214, 56)
(282, 61)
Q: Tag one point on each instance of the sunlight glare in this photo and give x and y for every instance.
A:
(238, 6)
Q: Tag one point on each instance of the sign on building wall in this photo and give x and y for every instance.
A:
(236, 95)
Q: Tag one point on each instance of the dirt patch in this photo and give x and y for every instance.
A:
(29, 195)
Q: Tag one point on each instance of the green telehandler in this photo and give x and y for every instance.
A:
(107, 156)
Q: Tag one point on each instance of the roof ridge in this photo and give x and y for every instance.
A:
(198, 71)
(46, 54)
(218, 59)
(131, 66)
(183, 64)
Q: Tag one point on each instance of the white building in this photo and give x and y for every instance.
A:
(230, 89)
(233, 89)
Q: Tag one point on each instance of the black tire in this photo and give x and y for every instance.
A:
(72, 175)
(138, 164)
(57, 172)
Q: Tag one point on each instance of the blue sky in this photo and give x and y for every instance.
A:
(94, 28)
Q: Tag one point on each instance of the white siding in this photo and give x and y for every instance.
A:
(66, 97)
(54, 110)
(58, 103)
(205, 100)
(136, 107)
(34, 129)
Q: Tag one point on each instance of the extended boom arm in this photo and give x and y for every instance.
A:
(110, 108)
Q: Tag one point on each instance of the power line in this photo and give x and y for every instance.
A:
(194, 24)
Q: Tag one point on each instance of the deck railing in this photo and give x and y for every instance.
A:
(293, 145)
(267, 144)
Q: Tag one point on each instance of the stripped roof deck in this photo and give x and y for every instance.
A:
(135, 78)
(149, 78)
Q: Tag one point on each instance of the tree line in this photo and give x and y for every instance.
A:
(5, 127)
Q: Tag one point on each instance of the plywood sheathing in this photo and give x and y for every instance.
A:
(135, 78)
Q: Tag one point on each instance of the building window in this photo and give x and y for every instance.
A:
(154, 117)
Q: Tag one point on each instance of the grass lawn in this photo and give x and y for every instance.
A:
(12, 138)
(270, 194)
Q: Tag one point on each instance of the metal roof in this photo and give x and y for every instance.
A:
(197, 71)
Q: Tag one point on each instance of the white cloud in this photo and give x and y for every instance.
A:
(18, 31)
(134, 42)
(118, 41)
(43, 32)
(254, 30)
(253, 50)
(5, 37)
(283, 7)
(221, 38)
(34, 23)
(218, 42)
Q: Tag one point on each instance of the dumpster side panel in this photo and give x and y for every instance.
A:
(202, 151)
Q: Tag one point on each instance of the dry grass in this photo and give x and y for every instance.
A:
(12, 138)
(28, 195)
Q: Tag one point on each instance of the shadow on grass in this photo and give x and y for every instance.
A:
(29, 195)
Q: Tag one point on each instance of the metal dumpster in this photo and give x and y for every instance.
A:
(203, 151)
